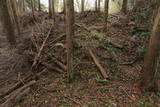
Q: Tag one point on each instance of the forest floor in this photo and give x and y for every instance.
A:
(120, 50)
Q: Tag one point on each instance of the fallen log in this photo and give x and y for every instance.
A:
(102, 70)
(18, 91)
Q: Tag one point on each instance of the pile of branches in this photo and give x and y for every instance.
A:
(47, 49)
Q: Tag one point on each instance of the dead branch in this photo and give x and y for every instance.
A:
(102, 70)
(40, 50)
(48, 66)
(18, 91)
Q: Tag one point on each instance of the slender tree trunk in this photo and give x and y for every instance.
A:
(124, 6)
(39, 5)
(96, 5)
(53, 10)
(151, 69)
(6, 22)
(70, 34)
(50, 8)
(64, 6)
(15, 15)
(32, 6)
(20, 7)
(82, 6)
(106, 9)
(99, 5)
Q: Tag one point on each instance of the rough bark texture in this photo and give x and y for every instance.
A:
(70, 34)
(106, 8)
(150, 76)
(82, 6)
(6, 22)
(15, 15)
(124, 6)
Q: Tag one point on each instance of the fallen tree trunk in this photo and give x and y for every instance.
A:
(102, 70)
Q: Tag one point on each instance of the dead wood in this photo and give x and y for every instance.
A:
(102, 70)
(48, 66)
(17, 92)
(40, 50)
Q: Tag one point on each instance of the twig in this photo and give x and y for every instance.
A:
(102, 70)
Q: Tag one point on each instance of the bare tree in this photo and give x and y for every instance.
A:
(70, 34)
(6, 22)
(151, 69)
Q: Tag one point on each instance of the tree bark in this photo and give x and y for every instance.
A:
(82, 5)
(106, 8)
(124, 6)
(70, 34)
(6, 22)
(15, 15)
(151, 69)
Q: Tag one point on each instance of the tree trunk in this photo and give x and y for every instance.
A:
(50, 8)
(99, 5)
(124, 6)
(6, 22)
(53, 10)
(96, 5)
(39, 5)
(151, 69)
(64, 6)
(106, 8)
(32, 6)
(70, 34)
(15, 15)
(82, 6)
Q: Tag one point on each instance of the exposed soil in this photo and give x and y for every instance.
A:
(120, 50)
